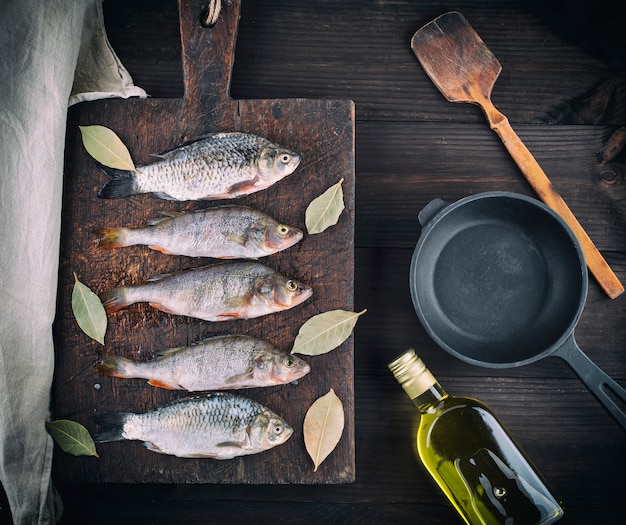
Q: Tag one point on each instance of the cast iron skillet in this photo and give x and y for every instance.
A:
(499, 280)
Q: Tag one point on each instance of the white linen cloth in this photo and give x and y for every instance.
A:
(46, 47)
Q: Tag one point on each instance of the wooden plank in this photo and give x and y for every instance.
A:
(322, 132)
(452, 160)
(146, 36)
(553, 439)
(329, 513)
(377, 70)
(412, 146)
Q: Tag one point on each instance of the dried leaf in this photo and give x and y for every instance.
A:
(88, 311)
(323, 426)
(106, 147)
(325, 332)
(72, 437)
(324, 211)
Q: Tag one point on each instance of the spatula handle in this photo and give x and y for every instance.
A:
(543, 187)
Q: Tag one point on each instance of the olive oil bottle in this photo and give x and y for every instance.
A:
(470, 455)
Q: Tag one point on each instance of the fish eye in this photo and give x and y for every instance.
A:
(285, 158)
(282, 229)
(292, 286)
(289, 361)
(278, 429)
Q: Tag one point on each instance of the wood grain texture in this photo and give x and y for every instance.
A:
(322, 132)
(562, 90)
(465, 71)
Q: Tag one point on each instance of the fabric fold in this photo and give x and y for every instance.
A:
(99, 72)
(41, 44)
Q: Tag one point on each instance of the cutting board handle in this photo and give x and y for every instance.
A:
(207, 79)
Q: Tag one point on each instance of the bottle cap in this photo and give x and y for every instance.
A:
(412, 374)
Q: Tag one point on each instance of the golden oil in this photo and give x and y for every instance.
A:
(470, 455)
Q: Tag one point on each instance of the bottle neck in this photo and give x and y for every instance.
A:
(417, 381)
(430, 399)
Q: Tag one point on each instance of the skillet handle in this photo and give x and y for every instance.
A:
(606, 390)
(430, 210)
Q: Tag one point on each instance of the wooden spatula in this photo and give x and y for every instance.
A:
(464, 70)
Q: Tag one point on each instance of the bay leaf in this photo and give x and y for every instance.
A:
(323, 426)
(88, 311)
(324, 211)
(72, 437)
(325, 332)
(106, 147)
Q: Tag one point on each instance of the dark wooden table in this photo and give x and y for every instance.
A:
(563, 88)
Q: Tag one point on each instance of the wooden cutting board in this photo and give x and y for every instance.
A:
(322, 131)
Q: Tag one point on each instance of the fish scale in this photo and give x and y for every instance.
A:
(217, 363)
(219, 166)
(221, 292)
(215, 425)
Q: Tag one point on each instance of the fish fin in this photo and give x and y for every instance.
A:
(157, 220)
(168, 351)
(241, 187)
(115, 299)
(121, 185)
(230, 315)
(110, 238)
(164, 196)
(217, 196)
(161, 308)
(159, 249)
(188, 270)
(230, 444)
(162, 155)
(232, 380)
(239, 239)
(161, 276)
(152, 447)
(165, 215)
(112, 426)
(161, 384)
(213, 338)
(166, 153)
(112, 365)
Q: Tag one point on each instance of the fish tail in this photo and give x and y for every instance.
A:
(113, 365)
(111, 426)
(115, 299)
(121, 185)
(111, 238)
